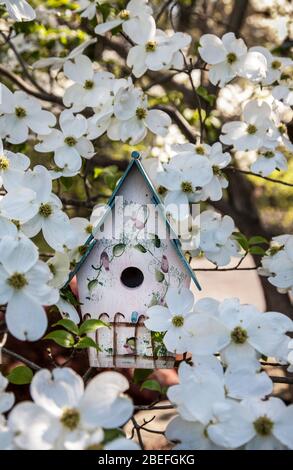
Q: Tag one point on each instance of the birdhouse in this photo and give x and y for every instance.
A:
(131, 261)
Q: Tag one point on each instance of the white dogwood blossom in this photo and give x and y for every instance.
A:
(171, 318)
(218, 161)
(6, 398)
(269, 160)
(69, 144)
(290, 356)
(19, 10)
(89, 88)
(133, 118)
(188, 171)
(277, 265)
(251, 133)
(38, 209)
(6, 436)
(211, 234)
(276, 65)
(20, 112)
(24, 287)
(229, 58)
(251, 333)
(88, 8)
(136, 21)
(68, 415)
(209, 419)
(159, 52)
(259, 425)
(12, 168)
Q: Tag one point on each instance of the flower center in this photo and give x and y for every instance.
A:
(88, 85)
(231, 58)
(70, 141)
(162, 190)
(20, 112)
(276, 64)
(45, 210)
(141, 113)
(70, 418)
(16, 223)
(178, 321)
(124, 14)
(89, 229)
(4, 163)
(199, 150)
(269, 154)
(186, 187)
(251, 129)
(217, 171)
(17, 281)
(263, 426)
(239, 335)
(282, 128)
(151, 46)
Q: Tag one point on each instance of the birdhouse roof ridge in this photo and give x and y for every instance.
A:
(91, 241)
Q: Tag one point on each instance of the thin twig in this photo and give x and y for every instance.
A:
(25, 87)
(225, 269)
(20, 358)
(273, 364)
(21, 62)
(87, 374)
(138, 432)
(246, 172)
(151, 408)
(282, 380)
(162, 9)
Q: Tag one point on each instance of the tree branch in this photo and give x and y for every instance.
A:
(138, 432)
(25, 87)
(20, 358)
(246, 172)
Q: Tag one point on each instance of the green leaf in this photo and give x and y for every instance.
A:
(92, 284)
(159, 276)
(105, 10)
(67, 182)
(98, 172)
(68, 325)
(119, 249)
(20, 375)
(85, 343)
(91, 325)
(257, 240)
(242, 240)
(151, 385)
(111, 434)
(155, 239)
(257, 250)
(140, 375)
(69, 296)
(203, 92)
(140, 248)
(62, 338)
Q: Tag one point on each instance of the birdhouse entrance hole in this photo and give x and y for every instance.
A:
(132, 277)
